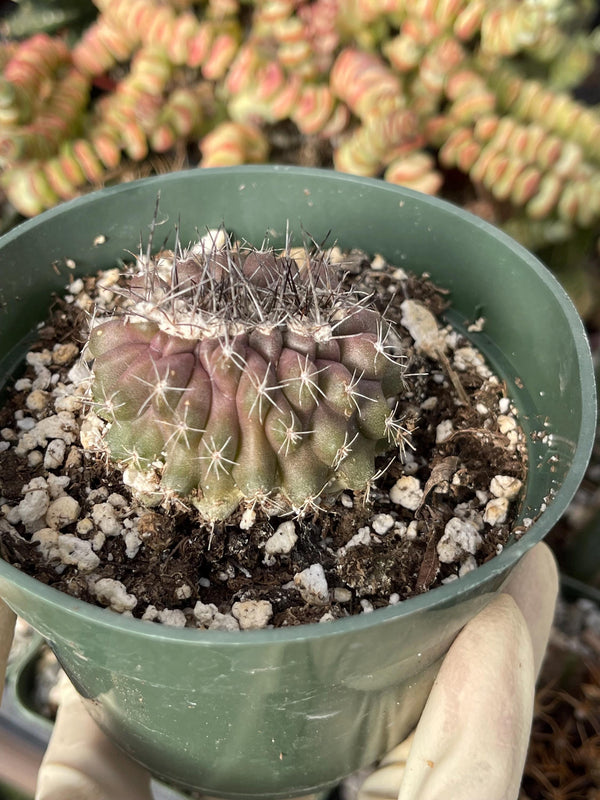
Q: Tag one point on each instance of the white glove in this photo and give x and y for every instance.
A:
(82, 764)
(471, 741)
(7, 627)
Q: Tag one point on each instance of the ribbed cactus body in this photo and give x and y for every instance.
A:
(242, 375)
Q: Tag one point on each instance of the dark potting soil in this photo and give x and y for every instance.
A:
(441, 505)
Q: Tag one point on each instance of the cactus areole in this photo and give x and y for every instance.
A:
(236, 376)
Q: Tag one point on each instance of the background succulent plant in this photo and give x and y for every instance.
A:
(238, 374)
(471, 99)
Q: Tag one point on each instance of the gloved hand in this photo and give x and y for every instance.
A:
(470, 743)
(80, 763)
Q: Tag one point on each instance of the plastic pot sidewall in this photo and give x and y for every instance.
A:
(280, 712)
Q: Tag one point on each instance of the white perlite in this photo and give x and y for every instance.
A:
(252, 614)
(63, 511)
(407, 492)
(283, 540)
(312, 585)
(76, 551)
(382, 523)
(47, 542)
(505, 486)
(209, 616)
(105, 518)
(248, 519)
(58, 426)
(183, 592)
(133, 543)
(35, 502)
(506, 423)
(173, 617)
(444, 431)
(496, 511)
(55, 454)
(114, 594)
(460, 537)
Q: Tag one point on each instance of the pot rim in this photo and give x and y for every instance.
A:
(437, 597)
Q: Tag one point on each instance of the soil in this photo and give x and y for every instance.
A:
(441, 505)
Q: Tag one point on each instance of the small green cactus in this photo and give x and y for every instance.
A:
(238, 376)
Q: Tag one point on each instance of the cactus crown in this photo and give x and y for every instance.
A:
(239, 375)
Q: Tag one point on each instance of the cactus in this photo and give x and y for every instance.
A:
(238, 376)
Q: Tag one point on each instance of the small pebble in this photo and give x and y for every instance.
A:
(423, 328)
(204, 613)
(116, 500)
(430, 403)
(412, 530)
(97, 541)
(26, 423)
(361, 537)
(151, 613)
(465, 357)
(57, 485)
(327, 617)
(224, 622)
(208, 616)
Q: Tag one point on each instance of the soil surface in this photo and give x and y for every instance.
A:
(440, 505)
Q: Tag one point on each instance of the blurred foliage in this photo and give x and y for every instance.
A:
(474, 100)
(26, 17)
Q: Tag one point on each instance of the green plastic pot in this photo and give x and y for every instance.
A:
(277, 713)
